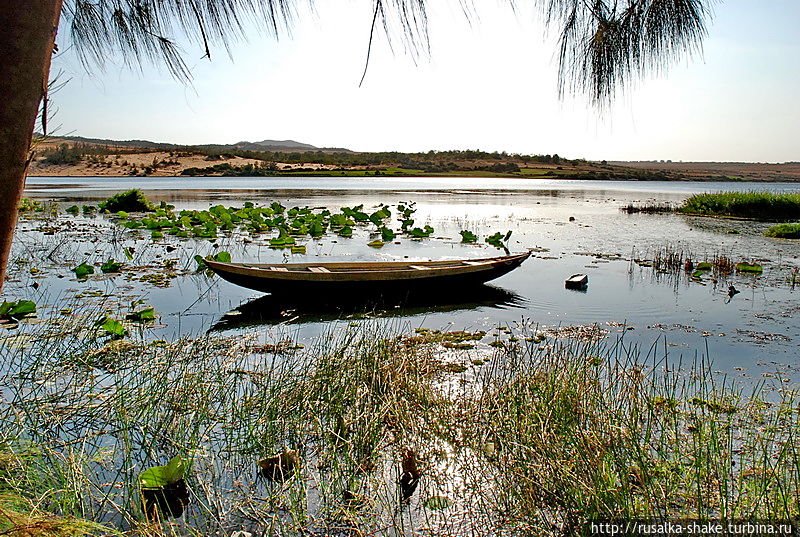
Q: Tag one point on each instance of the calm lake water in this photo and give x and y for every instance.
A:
(755, 331)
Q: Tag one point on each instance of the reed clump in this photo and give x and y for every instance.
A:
(673, 260)
(752, 205)
(648, 208)
(784, 231)
(581, 433)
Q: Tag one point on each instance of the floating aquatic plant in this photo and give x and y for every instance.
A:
(468, 236)
(17, 309)
(498, 240)
(83, 270)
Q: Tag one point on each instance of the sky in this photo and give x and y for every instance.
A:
(489, 83)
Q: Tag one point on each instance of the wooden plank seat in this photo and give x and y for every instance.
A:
(279, 269)
(318, 269)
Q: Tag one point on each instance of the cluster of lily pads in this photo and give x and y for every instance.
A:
(702, 269)
(291, 224)
(132, 210)
(108, 267)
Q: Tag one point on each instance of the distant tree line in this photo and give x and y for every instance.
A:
(443, 160)
(431, 161)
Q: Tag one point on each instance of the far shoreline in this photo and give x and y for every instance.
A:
(302, 175)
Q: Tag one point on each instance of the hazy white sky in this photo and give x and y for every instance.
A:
(489, 84)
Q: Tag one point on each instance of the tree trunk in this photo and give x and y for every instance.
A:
(28, 31)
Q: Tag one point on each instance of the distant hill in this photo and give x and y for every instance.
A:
(275, 145)
(263, 145)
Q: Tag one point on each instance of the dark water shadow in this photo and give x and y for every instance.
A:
(272, 310)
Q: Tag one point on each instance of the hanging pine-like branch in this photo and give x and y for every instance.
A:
(604, 44)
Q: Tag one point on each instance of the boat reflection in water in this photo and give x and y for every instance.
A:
(274, 309)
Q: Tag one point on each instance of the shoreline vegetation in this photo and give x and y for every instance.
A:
(751, 205)
(80, 157)
(524, 435)
(757, 206)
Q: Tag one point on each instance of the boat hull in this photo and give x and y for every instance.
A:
(372, 280)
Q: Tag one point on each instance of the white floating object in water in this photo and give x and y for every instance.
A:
(577, 281)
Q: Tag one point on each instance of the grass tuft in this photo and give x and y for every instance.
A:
(784, 231)
(753, 205)
(128, 201)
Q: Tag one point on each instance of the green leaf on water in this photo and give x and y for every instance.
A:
(201, 263)
(376, 244)
(754, 268)
(223, 257)
(83, 270)
(281, 242)
(143, 315)
(317, 229)
(438, 502)
(421, 233)
(498, 240)
(17, 309)
(300, 249)
(468, 236)
(128, 251)
(161, 476)
(387, 234)
(378, 216)
(110, 266)
(111, 326)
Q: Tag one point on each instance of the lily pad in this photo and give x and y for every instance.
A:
(421, 233)
(222, 257)
(468, 236)
(170, 473)
(111, 326)
(498, 240)
(110, 266)
(387, 234)
(753, 268)
(17, 309)
(83, 270)
(142, 315)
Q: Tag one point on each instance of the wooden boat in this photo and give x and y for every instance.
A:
(577, 281)
(296, 278)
